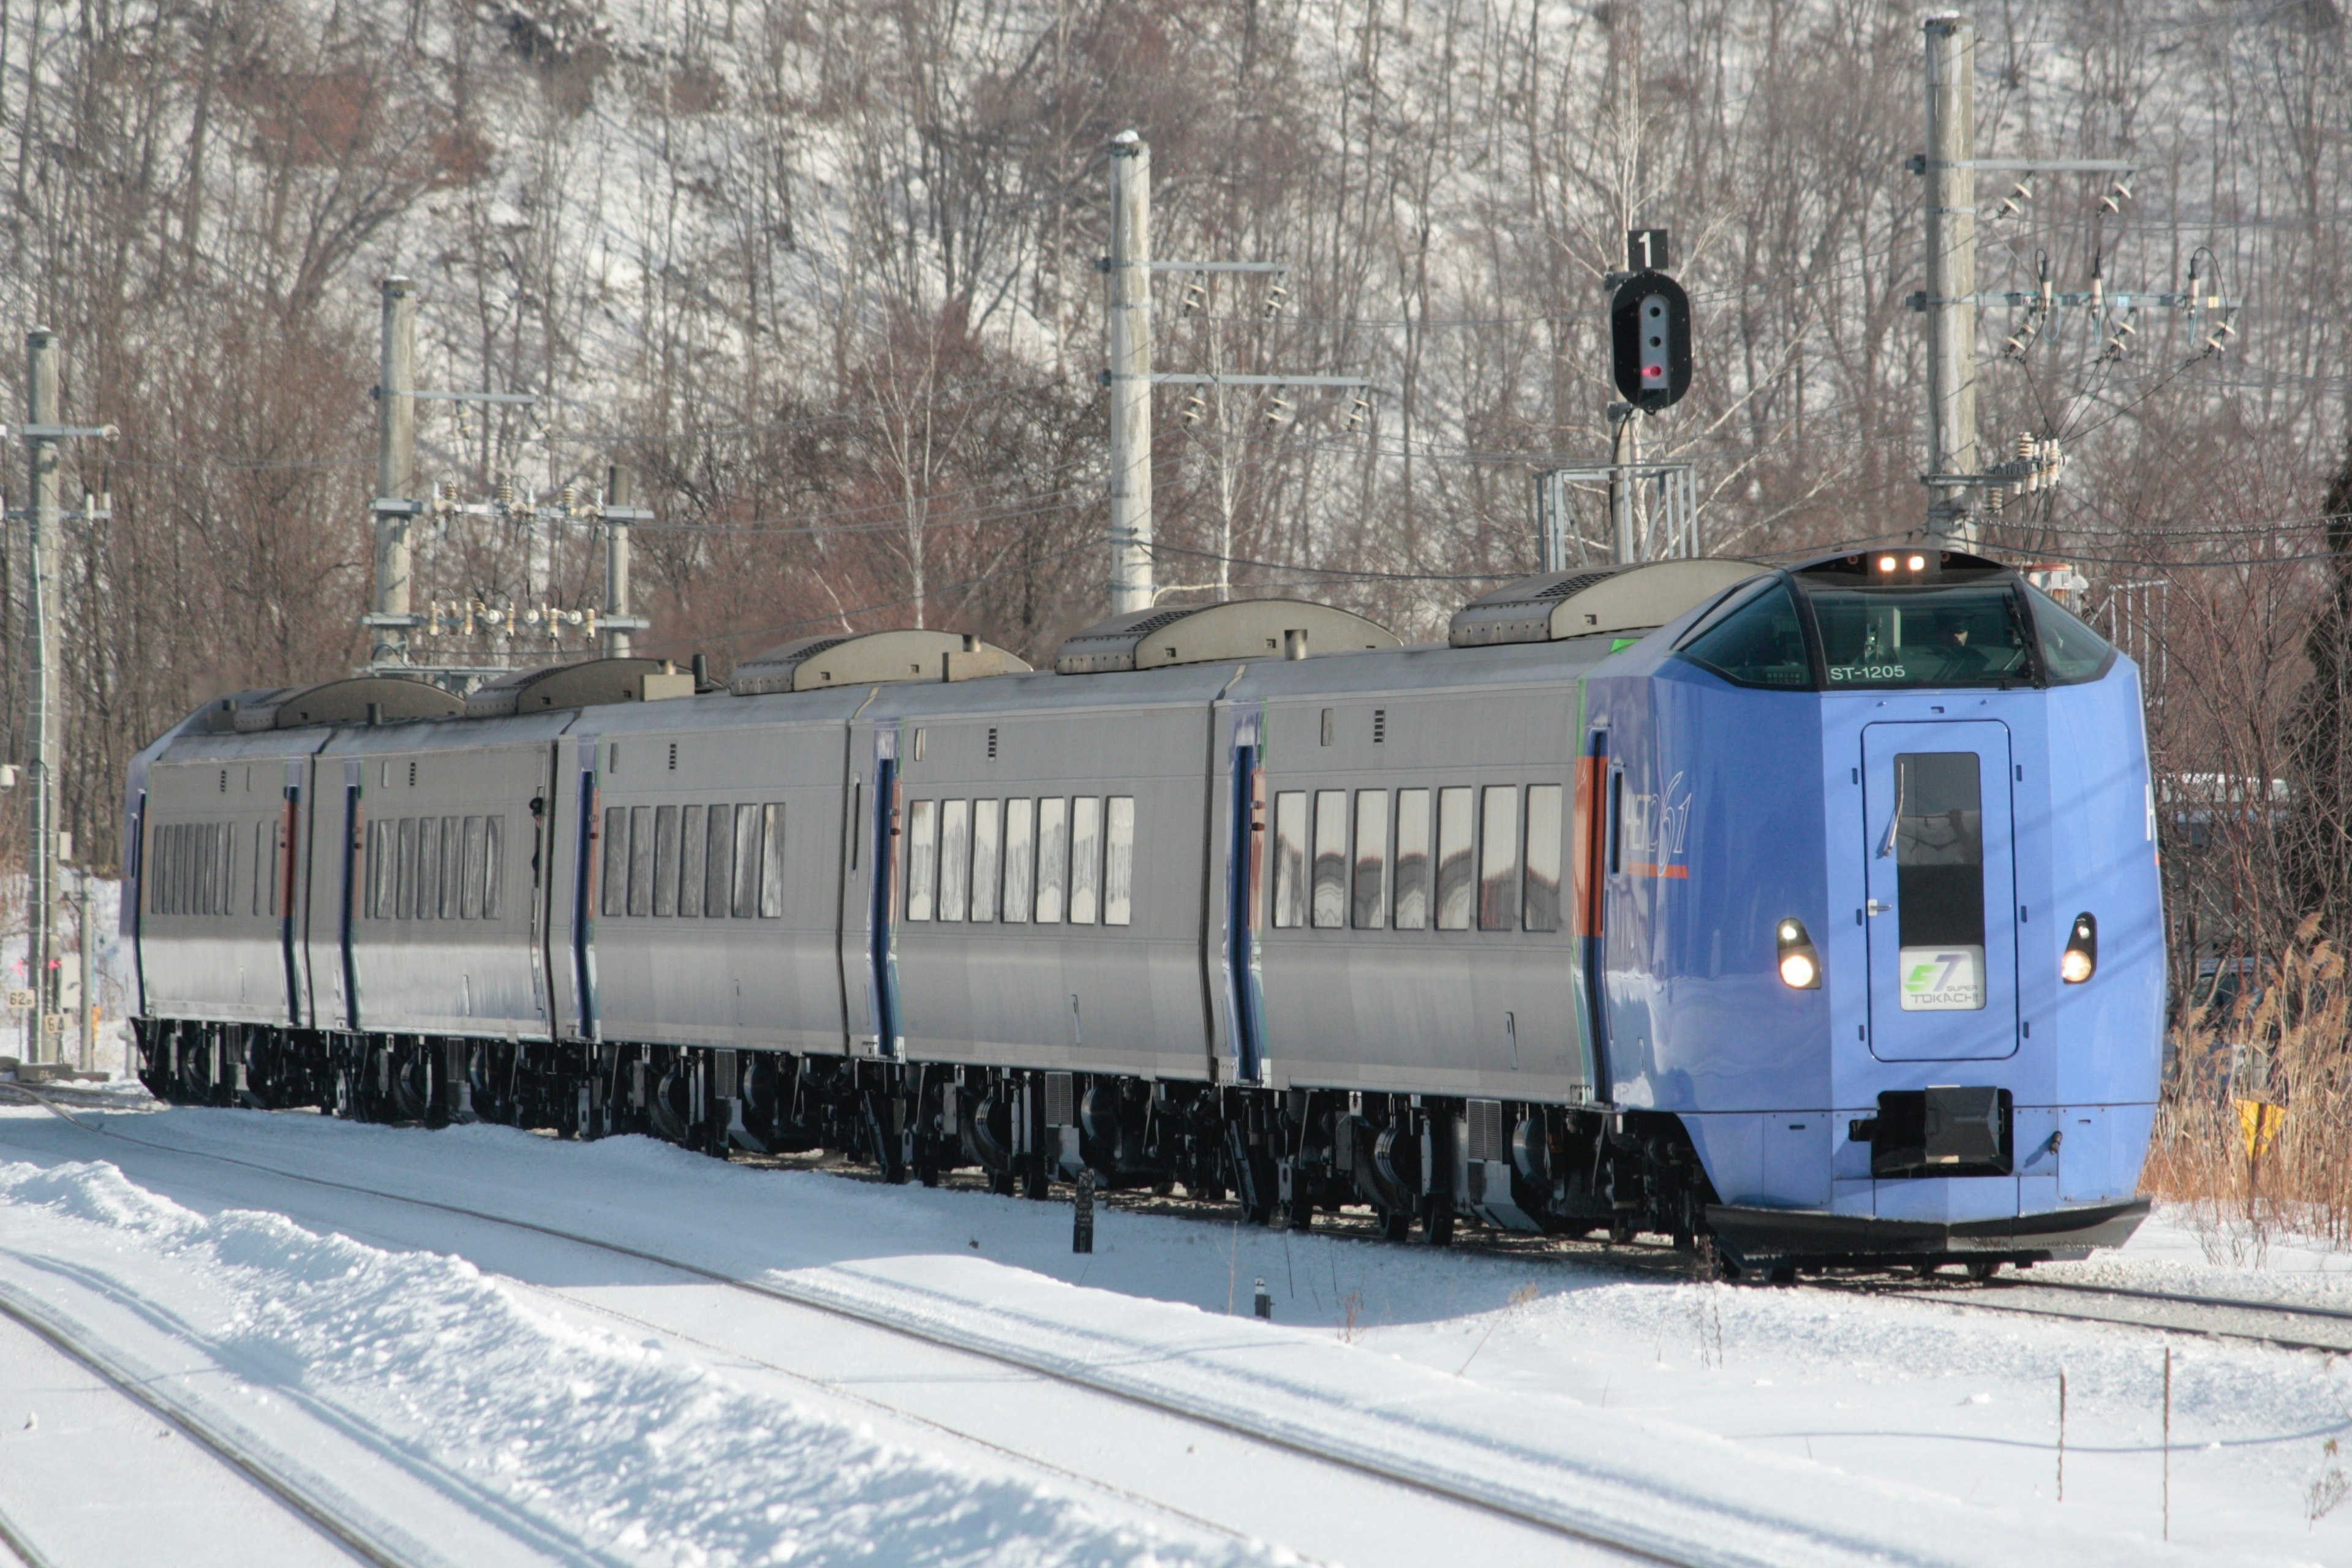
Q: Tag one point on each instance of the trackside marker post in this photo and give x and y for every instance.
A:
(1082, 1218)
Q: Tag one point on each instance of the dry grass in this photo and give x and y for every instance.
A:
(2288, 1043)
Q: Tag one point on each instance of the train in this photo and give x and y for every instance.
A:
(1806, 915)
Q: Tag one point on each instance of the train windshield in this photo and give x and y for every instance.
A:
(1922, 637)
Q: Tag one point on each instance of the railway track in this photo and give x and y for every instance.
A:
(1524, 1506)
(152, 1394)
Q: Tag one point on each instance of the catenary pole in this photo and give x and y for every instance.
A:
(618, 485)
(396, 472)
(1951, 226)
(41, 415)
(1129, 270)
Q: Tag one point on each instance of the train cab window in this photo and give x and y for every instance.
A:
(1498, 860)
(666, 861)
(1370, 875)
(772, 860)
(747, 861)
(692, 846)
(1757, 641)
(1328, 901)
(493, 868)
(2072, 652)
(717, 861)
(470, 901)
(923, 858)
(1290, 859)
(453, 865)
(1119, 860)
(404, 899)
(955, 860)
(1545, 829)
(1938, 846)
(1085, 860)
(1053, 860)
(1456, 832)
(616, 861)
(1413, 859)
(1971, 636)
(987, 846)
(1020, 858)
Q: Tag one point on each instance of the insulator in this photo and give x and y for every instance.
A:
(1358, 412)
(1278, 408)
(2014, 203)
(1993, 498)
(2024, 448)
(506, 494)
(572, 618)
(1195, 407)
(568, 497)
(1196, 293)
(1273, 299)
(2118, 195)
(2218, 338)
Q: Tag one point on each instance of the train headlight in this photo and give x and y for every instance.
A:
(1801, 965)
(2081, 957)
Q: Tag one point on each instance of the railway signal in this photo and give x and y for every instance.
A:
(1650, 330)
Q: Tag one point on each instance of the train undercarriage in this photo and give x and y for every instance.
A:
(1421, 1163)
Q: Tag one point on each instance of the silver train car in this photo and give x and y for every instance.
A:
(1247, 898)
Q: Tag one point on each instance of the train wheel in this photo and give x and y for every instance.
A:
(1000, 1185)
(1296, 1215)
(1396, 1225)
(1437, 1224)
(1784, 1274)
(1036, 1185)
(1983, 1269)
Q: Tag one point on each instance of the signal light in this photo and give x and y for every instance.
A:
(1650, 347)
(2082, 957)
(1801, 965)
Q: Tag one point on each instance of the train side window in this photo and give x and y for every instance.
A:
(375, 864)
(1616, 820)
(1413, 859)
(1289, 859)
(1455, 833)
(747, 861)
(1328, 904)
(1498, 860)
(1546, 830)
(641, 860)
(717, 861)
(1119, 860)
(1020, 858)
(1086, 859)
(470, 906)
(1052, 858)
(772, 860)
(693, 845)
(987, 841)
(923, 858)
(666, 861)
(404, 899)
(493, 868)
(453, 865)
(616, 861)
(1372, 871)
(955, 860)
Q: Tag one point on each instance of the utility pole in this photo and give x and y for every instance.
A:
(41, 942)
(618, 513)
(1951, 214)
(88, 1005)
(1131, 377)
(396, 476)
(42, 433)
(1624, 451)
(1130, 374)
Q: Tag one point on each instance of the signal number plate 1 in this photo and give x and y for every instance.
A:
(1942, 979)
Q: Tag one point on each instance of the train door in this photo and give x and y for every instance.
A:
(881, 897)
(1245, 884)
(1939, 865)
(541, 816)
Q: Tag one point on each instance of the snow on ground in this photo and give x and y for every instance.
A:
(604, 1414)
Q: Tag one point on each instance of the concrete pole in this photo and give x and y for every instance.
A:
(1950, 203)
(395, 465)
(41, 413)
(618, 484)
(89, 1022)
(1130, 374)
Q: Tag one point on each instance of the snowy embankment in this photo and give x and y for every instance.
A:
(500, 1396)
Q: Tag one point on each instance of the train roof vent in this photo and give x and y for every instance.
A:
(865, 659)
(1587, 600)
(344, 701)
(588, 684)
(1205, 633)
